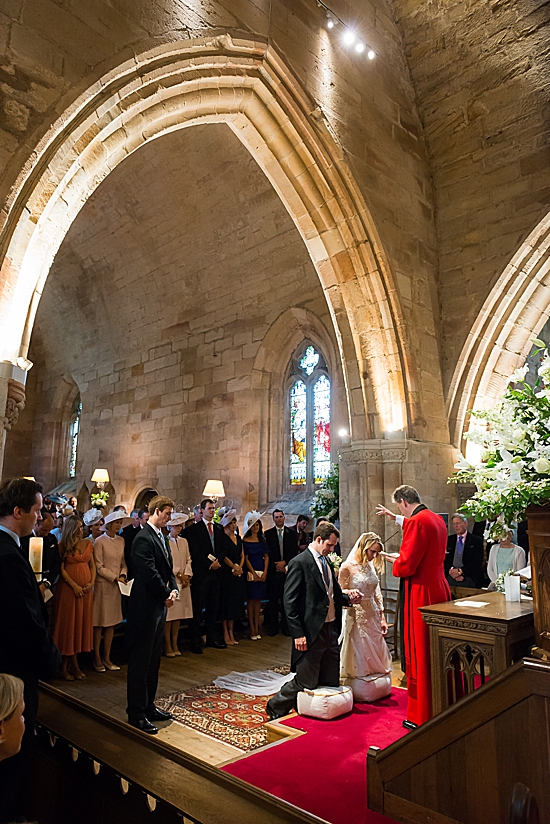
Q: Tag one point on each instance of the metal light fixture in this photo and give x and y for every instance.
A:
(100, 478)
(214, 490)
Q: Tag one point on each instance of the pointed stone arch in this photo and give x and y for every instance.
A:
(515, 311)
(241, 82)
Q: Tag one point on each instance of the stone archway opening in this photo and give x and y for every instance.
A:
(143, 498)
(246, 86)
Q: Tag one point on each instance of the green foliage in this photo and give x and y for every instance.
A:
(99, 499)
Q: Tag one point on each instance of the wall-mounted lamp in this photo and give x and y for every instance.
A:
(214, 490)
(100, 478)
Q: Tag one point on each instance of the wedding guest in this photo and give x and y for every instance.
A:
(110, 569)
(26, 649)
(303, 536)
(51, 562)
(73, 631)
(504, 556)
(282, 544)
(93, 520)
(207, 546)
(183, 571)
(129, 533)
(58, 529)
(464, 556)
(233, 578)
(197, 513)
(257, 562)
(12, 722)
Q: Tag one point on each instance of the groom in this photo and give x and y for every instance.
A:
(313, 604)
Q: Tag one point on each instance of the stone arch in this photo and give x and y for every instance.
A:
(241, 82)
(515, 311)
(268, 378)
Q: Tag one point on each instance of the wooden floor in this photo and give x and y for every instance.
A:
(107, 691)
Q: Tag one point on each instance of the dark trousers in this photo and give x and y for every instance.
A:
(275, 590)
(205, 595)
(15, 772)
(143, 668)
(319, 666)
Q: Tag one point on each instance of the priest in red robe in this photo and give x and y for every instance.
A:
(421, 565)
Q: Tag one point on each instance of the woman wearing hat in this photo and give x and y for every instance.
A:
(181, 561)
(93, 520)
(257, 559)
(111, 568)
(233, 581)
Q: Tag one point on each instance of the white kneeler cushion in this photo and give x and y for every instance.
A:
(325, 702)
(371, 688)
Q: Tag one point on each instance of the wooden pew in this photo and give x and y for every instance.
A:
(462, 766)
(93, 769)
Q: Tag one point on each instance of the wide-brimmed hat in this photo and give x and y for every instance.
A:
(226, 515)
(57, 499)
(250, 519)
(92, 516)
(118, 515)
(178, 519)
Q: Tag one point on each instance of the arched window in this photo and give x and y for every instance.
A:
(309, 390)
(74, 430)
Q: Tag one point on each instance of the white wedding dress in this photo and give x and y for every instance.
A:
(365, 660)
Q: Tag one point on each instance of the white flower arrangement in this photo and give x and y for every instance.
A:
(514, 470)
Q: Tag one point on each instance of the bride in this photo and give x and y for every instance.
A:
(365, 661)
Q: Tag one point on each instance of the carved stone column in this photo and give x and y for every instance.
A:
(369, 472)
(12, 401)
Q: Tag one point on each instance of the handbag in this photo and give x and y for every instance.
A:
(252, 577)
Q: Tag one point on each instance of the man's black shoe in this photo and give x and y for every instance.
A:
(273, 632)
(216, 644)
(158, 715)
(410, 725)
(196, 649)
(286, 632)
(273, 715)
(144, 725)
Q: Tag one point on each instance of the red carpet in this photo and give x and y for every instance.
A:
(324, 771)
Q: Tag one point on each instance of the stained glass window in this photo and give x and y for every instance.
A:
(298, 432)
(309, 360)
(74, 430)
(310, 459)
(321, 429)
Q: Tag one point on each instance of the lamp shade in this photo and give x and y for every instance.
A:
(215, 489)
(100, 476)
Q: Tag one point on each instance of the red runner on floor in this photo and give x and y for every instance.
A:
(324, 771)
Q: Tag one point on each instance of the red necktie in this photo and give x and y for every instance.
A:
(210, 528)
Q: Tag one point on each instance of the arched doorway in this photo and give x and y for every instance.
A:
(143, 498)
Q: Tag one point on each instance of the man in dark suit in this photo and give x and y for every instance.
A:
(282, 543)
(206, 541)
(153, 592)
(464, 555)
(139, 520)
(26, 649)
(313, 603)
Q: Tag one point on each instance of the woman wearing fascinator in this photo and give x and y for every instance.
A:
(365, 661)
(233, 576)
(257, 560)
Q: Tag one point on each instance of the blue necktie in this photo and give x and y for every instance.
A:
(459, 548)
(326, 573)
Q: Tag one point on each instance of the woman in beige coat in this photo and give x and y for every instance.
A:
(182, 608)
(111, 568)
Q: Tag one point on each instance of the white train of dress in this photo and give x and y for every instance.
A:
(365, 660)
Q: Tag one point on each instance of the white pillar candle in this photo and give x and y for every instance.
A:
(512, 588)
(35, 554)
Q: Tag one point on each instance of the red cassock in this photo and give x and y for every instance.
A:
(420, 564)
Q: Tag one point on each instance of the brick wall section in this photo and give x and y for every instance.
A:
(157, 303)
(482, 77)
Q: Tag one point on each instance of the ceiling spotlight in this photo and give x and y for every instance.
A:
(349, 37)
(371, 55)
(330, 21)
(359, 47)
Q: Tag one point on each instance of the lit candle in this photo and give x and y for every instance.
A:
(35, 554)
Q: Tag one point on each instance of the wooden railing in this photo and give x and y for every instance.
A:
(462, 766)
(93, 768)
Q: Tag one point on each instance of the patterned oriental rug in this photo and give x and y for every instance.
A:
(231, 717)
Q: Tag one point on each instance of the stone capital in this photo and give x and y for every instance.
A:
(374, 451)
(15, 403)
